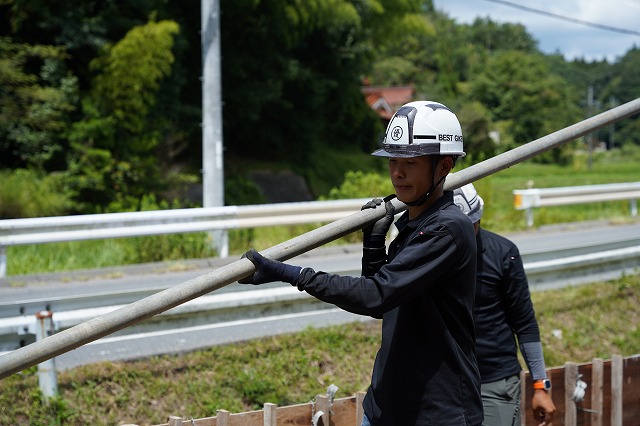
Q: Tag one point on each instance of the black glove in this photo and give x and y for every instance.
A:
(268, 270)
(374, 235)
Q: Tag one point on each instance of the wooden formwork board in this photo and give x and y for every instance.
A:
(611, 398)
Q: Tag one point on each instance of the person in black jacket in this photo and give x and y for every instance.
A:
(504, 310)
(425, 372)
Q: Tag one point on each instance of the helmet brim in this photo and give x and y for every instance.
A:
(397, 154)
(408, 153)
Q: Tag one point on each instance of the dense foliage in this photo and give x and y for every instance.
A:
(107, 96)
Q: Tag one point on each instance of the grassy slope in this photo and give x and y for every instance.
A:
(292, 369)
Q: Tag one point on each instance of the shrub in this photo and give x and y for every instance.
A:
(358, 184)
(25, 193)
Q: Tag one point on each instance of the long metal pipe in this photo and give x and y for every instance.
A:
(133, 313)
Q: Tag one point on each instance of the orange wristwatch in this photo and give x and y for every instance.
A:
(544, 384)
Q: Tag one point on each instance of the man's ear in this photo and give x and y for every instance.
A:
(445, 165)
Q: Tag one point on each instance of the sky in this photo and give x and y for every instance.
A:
(557, 34)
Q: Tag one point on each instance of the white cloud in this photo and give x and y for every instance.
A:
(571, 39)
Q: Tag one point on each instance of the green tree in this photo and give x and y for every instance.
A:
(478, 131)
(624, 86)
(82, 27)
(37, 97)
(492, 36)
(113, 158)
(525, 99)
(293, 81)
(403, 52)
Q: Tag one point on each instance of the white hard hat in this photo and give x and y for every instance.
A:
(422, 128)
(469, 201)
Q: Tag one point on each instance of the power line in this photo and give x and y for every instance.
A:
(566, 18)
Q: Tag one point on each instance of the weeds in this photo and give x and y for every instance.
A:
(576, 323)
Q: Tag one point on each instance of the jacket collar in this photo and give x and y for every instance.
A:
(440, 203)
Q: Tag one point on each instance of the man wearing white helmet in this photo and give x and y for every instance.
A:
(503, 310)
(425, 372)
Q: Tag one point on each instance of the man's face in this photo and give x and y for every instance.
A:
(411, 177)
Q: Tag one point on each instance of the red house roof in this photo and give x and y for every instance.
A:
(385, 100)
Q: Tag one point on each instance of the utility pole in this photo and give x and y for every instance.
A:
(590, 135)
(612, 128)
(212, 155)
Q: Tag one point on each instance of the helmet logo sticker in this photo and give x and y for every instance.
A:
(396, 133)
(435, 106)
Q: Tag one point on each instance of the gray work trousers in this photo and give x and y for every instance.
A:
(501, 402)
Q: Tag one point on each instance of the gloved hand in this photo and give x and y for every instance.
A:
(268, 270)
(374, 235)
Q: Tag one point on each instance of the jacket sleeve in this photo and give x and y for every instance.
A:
(421, 263)
(520, 312)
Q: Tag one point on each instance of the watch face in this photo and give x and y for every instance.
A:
(543, 384)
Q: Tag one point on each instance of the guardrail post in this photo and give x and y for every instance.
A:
(220, 240)
(529, 215)
(634, 207)
(526, 199)
(47, 378)
(3, 262)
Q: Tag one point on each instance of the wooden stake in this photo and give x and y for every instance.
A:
(359, 408)
(222, 418)
(597, 391)
(570, 378)
(323, 404)
(175, 421)
(270, 418)
(616, 390)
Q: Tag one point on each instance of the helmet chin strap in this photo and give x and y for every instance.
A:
(420, 201)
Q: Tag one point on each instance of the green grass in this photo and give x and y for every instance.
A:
(496, 190)
(595, 320)
(56, 257)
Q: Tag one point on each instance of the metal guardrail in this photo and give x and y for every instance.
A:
(528, 199)
(545, 270)
(535, 262)
(162, 222)
(159, 222)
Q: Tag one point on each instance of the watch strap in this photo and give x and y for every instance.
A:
(544, 384)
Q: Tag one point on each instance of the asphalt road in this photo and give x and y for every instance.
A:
(341, 259)
(159, 276)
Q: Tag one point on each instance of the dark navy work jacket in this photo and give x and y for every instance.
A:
(503, 307)
(425, 372)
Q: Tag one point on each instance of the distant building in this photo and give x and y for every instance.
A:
(385, 100)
